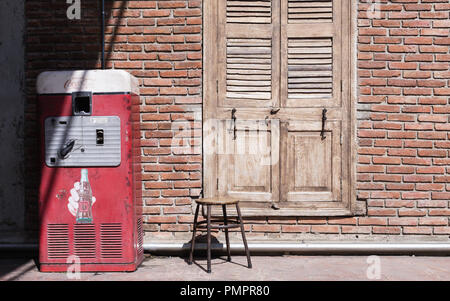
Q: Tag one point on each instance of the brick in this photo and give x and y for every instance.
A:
(356, 230)
(312, 220)
(161, 219)
(386, 230)
(342, 220)
(384, 211)
(175, 227)
(266, 228)
(417, 230)
(402, 221)
(415, 195)
(433, 221)
(440, 196)
(386, 160)
(429, 187)
(177, 209)
(400, 203)
(441, 230)
(324, 229)
(431, 203)
(295, 228)
(411, 212)
(439, 212)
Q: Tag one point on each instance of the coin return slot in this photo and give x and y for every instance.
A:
(100, 137)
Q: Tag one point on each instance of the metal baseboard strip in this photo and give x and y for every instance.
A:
(312, 248)
(19, 247)
(425, 248)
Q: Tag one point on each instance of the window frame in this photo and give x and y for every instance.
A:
(210, 38)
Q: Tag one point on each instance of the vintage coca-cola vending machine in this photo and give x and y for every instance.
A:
(90, 195)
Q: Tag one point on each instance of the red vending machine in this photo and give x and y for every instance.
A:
(90, 195)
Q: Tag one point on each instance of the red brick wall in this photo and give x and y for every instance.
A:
(403, 62)
(402, 111)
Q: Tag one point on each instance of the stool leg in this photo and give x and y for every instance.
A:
(208, 223)
(227, 239)
(247, 252)
(191, 254)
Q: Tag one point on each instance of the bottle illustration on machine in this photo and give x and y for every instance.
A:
(84, 210)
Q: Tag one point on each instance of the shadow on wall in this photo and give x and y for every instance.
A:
(55, 42)
(12, 97)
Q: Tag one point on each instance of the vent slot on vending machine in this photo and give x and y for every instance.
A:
(111, 240)
(57, 241)
(84, 240)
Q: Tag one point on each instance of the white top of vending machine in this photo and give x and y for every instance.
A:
(95, 81)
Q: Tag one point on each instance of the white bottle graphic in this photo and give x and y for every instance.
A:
(84, 211)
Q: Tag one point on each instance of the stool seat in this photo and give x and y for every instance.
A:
(217, 201)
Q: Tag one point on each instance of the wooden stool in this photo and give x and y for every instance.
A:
(208, 202)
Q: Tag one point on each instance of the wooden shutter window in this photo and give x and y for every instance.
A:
(277, 113)
(300, 11)
(250, 11)
(248, 53)
(311, 49)
(310, 68)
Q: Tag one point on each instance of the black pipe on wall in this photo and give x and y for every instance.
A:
(103, 33)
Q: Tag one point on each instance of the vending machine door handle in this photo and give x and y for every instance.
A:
(66, 148)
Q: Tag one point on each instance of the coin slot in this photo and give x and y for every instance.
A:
(100, 137)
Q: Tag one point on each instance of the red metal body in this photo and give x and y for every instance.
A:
(114, 239)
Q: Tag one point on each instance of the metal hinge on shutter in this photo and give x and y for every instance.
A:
(217, 187)
(217, 86)
(341, 85)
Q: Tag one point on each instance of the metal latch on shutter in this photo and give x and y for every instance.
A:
(233, 118)
(324, 119)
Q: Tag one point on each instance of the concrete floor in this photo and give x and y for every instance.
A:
(265, 268)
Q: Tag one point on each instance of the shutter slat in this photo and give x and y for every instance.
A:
(248, 61)
(249, 77)
(253, 95)
(256, 83)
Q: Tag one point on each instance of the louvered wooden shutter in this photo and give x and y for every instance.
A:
(248, 57)
(248, 53)
(272, 67)
(311, 49)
